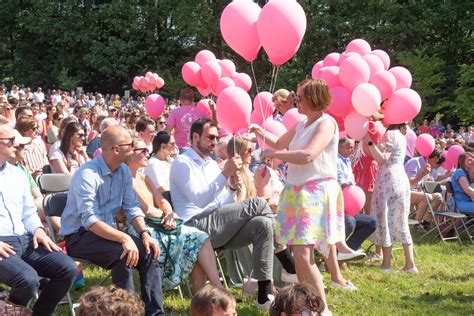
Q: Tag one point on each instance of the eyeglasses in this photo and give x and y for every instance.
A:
(213, 137)
(129, 145)
(142, 151)
(81, 135)
(20, 146)
(11, 140)
(161, 123)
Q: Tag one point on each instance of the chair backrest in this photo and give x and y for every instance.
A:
(450, 188)
(431, 187)
(55, 203)
(54, 182)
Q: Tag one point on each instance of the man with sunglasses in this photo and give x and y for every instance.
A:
(99, 190)
(26, 252)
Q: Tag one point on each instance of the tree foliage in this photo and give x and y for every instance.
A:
(101, 45)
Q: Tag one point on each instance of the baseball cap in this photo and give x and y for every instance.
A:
(21, 140)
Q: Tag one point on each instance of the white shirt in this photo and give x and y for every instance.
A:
(197, 185)
(325, 164)
(38, 96)
(159, 172)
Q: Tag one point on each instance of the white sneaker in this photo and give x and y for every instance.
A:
(351, 256)
(348, 286)
(288, 277)
(267, 304)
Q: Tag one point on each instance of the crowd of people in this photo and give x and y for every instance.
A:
(162, 195)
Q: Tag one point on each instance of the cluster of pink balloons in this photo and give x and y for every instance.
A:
(360, 79)
(148, 83)
(279, 27)
(211, 75)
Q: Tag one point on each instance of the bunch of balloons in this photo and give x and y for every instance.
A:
(148, 83)
(279, 27)
(360, 79)
(211, 75)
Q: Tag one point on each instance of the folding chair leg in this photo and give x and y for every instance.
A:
(70, 303)
(178, 287)
(221, 270)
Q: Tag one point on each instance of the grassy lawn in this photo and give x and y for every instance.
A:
(445, 285)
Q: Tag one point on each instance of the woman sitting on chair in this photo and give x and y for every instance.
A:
(187, 254)
(463, 185)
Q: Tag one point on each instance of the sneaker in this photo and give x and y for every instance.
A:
(288, 277)
(351, 256)
(412, 270)
(267, 304)
(348, 286)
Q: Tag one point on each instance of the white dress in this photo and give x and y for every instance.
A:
(391, 197)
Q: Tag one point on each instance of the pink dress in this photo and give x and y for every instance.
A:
(365, 172)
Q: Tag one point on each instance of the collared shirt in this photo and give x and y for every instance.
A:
(415, 166)
(18, 214)
(98, 194)
(344, 170)
(197, 185)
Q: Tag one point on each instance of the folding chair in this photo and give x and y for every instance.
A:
(444, 221)
(466, 219)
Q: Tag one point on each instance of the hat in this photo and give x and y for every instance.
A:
(20, 139)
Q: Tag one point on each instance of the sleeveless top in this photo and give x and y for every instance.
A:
(325, 164)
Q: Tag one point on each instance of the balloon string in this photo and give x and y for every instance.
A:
(271, 79)
(275, 81)
(259, 101)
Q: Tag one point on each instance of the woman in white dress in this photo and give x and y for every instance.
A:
(159, 164)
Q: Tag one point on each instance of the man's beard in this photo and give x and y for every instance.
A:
(205, 151)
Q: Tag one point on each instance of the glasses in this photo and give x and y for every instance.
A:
(161, 123)
(141, 151)
(81, 135)
(129, 145)
(11, 140)
(20, 146)
(248, 151)
(213, 137)
(34, 128)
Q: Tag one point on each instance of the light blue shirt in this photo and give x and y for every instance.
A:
(344, 170)
(414, 166)
(18, 214)
(98, 194)
(197, 185)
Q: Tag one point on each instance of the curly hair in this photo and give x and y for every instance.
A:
(111, 300)
(292, 298)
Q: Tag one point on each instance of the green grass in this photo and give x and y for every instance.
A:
(445, 285)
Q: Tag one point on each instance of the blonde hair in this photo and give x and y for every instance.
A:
(316, 93)
(241, 145)
(281, 95)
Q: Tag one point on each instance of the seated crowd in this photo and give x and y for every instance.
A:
(161, 196)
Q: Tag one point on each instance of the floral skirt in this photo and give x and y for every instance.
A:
(182, 253)
(311, 214)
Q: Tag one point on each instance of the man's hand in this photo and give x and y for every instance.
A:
(232, 166)
(150, 243)
(40, 238)
(426, 169)
(6, 250)
(130, 250)
(235, 181)
(168, 221)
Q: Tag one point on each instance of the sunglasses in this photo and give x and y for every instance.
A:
(81, 135)
(11, 140)
(213, 137)
(20, 146)
(129, 145)
(161, 123)
(142, 151)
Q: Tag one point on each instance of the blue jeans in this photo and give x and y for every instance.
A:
(21, 272)
(106, 254)
(358, 229)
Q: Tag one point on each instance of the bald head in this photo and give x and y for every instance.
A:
(114, 135)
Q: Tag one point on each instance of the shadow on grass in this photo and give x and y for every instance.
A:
(451, 303)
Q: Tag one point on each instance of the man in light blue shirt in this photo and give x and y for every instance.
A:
(98, 191)
(26, 252)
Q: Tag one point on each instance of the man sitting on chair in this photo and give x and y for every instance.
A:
(98, 191)
(26, 252)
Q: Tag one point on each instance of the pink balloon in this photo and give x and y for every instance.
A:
(374, 62)
(366, 99)
(135, 86)
(255, 118)
(376, 130)
(238, 26)
(204, 91)
(233, 109)
(274, 127)
(358, 46)
(447, 165)
(204, 106)
(354, 199)
(454, 152)
(344, 56)
(354, 71)
(228, 67)
(191, 72)
(223, 83)
(316, 68)
(160, 82)
(330, 75)
(263, 104)
(136, 80)
(425, 144)
(154, 105)
(383, 56)
(402, 106)
(242, 80)
(341, 101)
(144, 84)
(356, 125)
(148, 74)
(386, 83)
(211, 72)
(291, 117)
(403, 77)
(152, 81)
(331, 59)
(204, 56)
(281, 27)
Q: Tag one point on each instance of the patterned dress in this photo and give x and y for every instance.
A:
(391, 197)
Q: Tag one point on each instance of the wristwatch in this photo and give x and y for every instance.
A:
(370, 143)
(147, 231)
